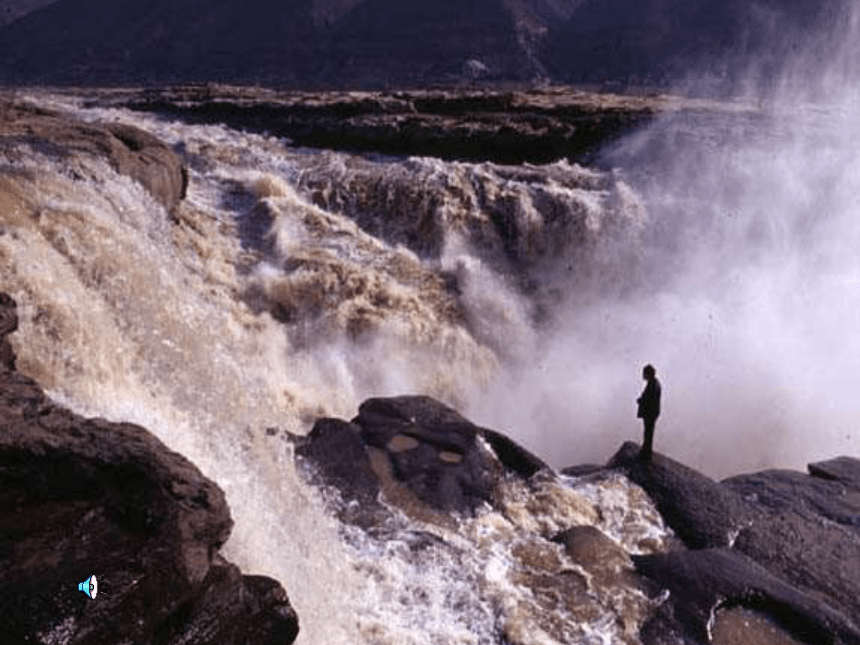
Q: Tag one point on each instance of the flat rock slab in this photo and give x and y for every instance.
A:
(800, 530)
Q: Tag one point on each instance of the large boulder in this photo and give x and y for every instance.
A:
(809, 533)
(85, 496)
(130, 151)
(702, 512)
(416, 447)
(335, 456)
(433, 450)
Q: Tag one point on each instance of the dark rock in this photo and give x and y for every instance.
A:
(420, 417)
(85, 496)
(700, 511)
(337, 450)
(473, 125)
(258, 610)
(782, 491)
(432, 450)
(131, 152)
(841, 469)
(808, 534)
(513, 456)
(8, 324)
(607, 562)
(582, 470)
(701, 581)
(800, 529)
(337, 457)
(420, 454)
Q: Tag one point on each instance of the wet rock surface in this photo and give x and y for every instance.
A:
(783, 543)
(780, 545)
(85, 496)
(423, 445)
(701, 580)
(702, 512)
(505, 127)
(130, 151)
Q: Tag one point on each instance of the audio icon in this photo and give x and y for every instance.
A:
(90, 586)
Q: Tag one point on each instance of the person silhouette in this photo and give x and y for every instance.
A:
(649, 409)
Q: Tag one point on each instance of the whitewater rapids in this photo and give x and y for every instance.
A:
(292, 284)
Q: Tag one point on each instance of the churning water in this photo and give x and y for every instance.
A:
(293, 284)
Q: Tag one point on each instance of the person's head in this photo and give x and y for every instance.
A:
(648, 372)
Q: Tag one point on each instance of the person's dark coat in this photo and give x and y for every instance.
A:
(649, 402)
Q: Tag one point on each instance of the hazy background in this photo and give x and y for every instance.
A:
(747, 299)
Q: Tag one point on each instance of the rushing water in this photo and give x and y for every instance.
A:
(292, 284)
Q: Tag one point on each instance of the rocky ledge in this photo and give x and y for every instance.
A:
(420, 452)
(784, 543)
(130, 151)
(535, 125)
(84, 496)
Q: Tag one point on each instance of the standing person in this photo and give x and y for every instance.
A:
(649, 408)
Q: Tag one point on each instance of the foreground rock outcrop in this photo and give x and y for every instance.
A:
(84, 496)
(784, 543)
(130, 151)
(417, 445)
(431, 492)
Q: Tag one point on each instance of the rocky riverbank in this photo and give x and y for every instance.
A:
(782, 545)
(536, 125)
(85, 496)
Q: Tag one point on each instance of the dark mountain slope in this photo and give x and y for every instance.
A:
(160, 40)
(378, 43)
(395, 42)
(660, 41)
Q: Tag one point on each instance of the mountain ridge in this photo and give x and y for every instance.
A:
(382, 43)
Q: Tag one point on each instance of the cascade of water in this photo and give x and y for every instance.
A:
(267, 300)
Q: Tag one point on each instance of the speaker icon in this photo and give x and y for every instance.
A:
(90, 586)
